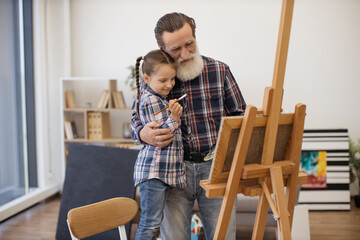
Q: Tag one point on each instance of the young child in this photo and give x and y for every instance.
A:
(157, 169)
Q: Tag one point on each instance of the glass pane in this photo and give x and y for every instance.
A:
(12, 167)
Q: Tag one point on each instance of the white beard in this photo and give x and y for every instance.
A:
(188, 71)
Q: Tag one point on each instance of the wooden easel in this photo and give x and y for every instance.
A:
(259, 153)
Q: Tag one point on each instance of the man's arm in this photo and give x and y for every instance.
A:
(234, 101)
(157, 137)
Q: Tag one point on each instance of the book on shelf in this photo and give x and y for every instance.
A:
(69, 99)
(102, 125)
(116, 102)
(121, 99)
(98, 125)
(104, 99)
(118, 98)
(91, 125)
(74, 130)
(68, 130)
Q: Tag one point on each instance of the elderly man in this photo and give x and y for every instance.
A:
(212, 93)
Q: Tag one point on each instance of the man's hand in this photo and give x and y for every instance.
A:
(157, 137)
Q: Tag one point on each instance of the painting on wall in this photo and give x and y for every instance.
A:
(313, 163)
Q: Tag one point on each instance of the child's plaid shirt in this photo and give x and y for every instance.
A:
(165, 164)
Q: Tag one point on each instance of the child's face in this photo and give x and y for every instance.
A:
(162, 80)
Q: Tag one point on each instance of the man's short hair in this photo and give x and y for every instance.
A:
(172, 22)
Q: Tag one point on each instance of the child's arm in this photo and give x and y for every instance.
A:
(152, 105)
(148, 108)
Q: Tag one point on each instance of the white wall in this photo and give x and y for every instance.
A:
(323, 67)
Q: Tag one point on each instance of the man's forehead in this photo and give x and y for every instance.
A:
(177, 38)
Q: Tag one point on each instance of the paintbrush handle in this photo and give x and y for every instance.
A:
(183, 96)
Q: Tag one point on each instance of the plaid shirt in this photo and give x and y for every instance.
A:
(210, 96)
(165, 163)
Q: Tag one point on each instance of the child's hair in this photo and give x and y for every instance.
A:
(151, 60)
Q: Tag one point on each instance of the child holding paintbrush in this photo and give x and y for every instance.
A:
(157, 169)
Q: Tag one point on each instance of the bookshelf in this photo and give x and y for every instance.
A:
(93, 111)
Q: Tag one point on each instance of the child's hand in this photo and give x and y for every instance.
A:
(175, 109)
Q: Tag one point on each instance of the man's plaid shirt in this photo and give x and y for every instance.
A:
(210, 96)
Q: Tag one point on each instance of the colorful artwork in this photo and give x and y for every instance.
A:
(210, 155)
(313, 163)
(196, 229)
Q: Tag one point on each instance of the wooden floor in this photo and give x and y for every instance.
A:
(39, 222)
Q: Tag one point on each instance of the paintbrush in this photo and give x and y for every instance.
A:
(183, 96)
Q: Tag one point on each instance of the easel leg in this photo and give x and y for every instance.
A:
(280, 201)
(260, 219)
(294, 154)
(235, 172)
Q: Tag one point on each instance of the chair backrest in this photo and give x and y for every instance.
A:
(99, 217)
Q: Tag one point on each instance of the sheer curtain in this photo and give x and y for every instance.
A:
(13, 162)
(30, 170)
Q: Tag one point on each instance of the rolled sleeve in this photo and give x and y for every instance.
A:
(234, 101)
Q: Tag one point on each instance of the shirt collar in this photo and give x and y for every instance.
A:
(148, 89)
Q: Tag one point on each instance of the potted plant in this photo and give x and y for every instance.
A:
(130, 80)
(354, 161)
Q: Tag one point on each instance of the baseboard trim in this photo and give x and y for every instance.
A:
(26, 201)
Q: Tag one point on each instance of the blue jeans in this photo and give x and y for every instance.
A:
(180, 202)
(153, 195)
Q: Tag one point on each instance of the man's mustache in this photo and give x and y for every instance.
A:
(180, 59)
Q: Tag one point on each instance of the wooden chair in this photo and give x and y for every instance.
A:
(99, 217)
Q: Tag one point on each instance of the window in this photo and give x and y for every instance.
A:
(18, 173)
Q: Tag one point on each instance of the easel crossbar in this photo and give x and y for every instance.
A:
(251, 186)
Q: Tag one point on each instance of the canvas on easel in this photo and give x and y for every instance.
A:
(258, 154)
